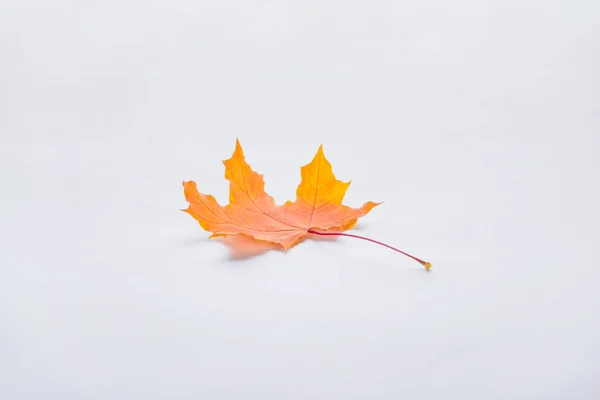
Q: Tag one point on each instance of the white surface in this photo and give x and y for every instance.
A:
(477, 123)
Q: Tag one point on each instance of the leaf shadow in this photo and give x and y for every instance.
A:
(321, 238)
(243, 247)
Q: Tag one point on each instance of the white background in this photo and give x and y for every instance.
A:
(477, 122)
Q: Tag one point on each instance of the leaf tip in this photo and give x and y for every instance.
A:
(238, 153)
(320, 150)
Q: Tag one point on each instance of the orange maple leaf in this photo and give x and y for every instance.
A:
(318, 207)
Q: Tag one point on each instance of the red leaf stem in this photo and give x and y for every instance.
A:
(426, 264)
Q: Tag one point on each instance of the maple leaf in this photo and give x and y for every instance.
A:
(318, 207)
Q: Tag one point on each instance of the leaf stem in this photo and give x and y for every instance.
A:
(426, 264)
